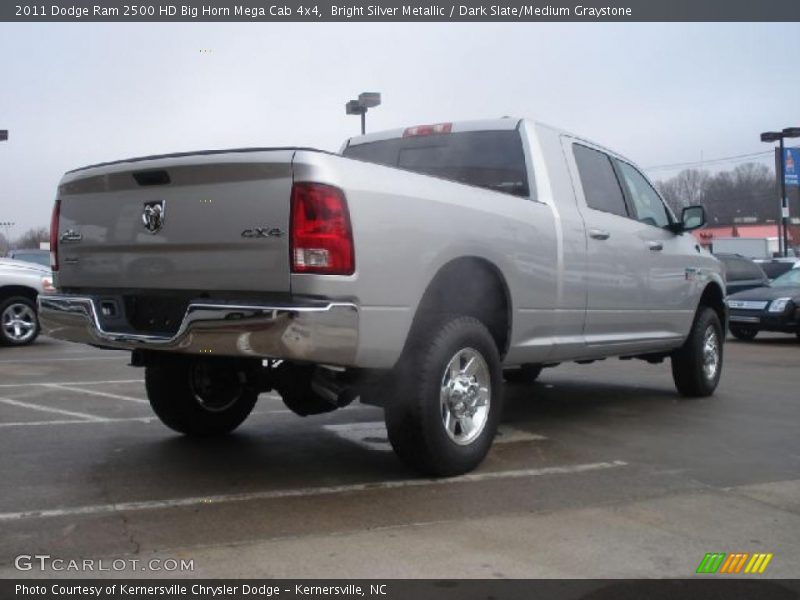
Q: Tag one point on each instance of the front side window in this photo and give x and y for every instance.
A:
(646, 203)
(600, 186)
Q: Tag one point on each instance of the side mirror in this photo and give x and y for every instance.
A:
(692, 217)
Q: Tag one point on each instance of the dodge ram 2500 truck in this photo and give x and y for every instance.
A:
(414, 270)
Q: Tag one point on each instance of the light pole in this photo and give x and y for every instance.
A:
(7, 225)
(779, 136)
(365, 101)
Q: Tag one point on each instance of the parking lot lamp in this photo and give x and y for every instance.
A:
(361, 105)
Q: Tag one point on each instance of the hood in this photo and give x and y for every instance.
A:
(767, 293)
(10, 264)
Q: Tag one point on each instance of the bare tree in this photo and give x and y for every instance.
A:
(32, 237)
(748, 191)
(687, 188)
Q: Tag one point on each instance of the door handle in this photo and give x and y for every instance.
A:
(655, 246)
(599, 234)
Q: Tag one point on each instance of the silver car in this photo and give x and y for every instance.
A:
(414, 270)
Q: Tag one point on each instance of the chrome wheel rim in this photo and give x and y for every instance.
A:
(215, 389)
(710, 353)
(19, 322)
(465, 396)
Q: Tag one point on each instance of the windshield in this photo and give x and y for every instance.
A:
(790, 279)
(41, 258)
(488, 159)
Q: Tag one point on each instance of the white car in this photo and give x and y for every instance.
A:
(21, 283)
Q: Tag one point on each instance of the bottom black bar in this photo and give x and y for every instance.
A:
(457, 589)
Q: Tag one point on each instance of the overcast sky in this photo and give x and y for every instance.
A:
(75, 94)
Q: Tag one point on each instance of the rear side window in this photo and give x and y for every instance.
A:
(600, 186)
(488, 159)
(740, 269)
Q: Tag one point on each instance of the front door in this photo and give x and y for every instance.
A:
(617, 266)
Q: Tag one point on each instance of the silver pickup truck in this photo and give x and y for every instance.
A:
(414, 271)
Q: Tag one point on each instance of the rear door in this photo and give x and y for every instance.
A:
(216, 221)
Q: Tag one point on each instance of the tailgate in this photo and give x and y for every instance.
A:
(205, 221)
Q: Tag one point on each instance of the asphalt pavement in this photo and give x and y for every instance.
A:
(599, 471)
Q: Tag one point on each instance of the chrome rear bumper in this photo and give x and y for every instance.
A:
(321, 332)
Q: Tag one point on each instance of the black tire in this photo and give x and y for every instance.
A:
(525, 374)
(691, 362)
(743, 333)
(19, 321)
(414, 415)
(199, 397)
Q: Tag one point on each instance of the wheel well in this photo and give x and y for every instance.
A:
(469, 286)
(712, 297)
(8, 291)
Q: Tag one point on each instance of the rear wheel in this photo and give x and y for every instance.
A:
(448, 399)
(697, 365)
(527, 373)
(743, 333)
(19, 324)
(199, 397)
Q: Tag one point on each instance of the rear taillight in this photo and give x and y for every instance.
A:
(420, 130)
(54, 235)
(321, 240)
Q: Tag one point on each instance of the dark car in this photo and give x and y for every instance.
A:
(741, 273)
(775, 307)
(32, 255)
(775, 267)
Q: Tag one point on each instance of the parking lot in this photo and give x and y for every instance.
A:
(599, 471)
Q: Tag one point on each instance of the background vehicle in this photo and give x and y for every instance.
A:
(742, 273)
(775, 267)
(407, 272)
(749, 247)
(775, 307)
(32, 255)
(20, 285)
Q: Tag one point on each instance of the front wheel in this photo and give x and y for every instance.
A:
(19, 324)
(199, 397)
(448, 399)
(743, 333)
(697, 365)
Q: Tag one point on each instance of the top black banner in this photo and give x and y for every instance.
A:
(275, 11)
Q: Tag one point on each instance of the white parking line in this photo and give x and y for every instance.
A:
(81, 422)
(57, 411)
(30, 384)
(97, 509)
(70, 388)
(103, 420)
(373, 436)
(61, 359)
